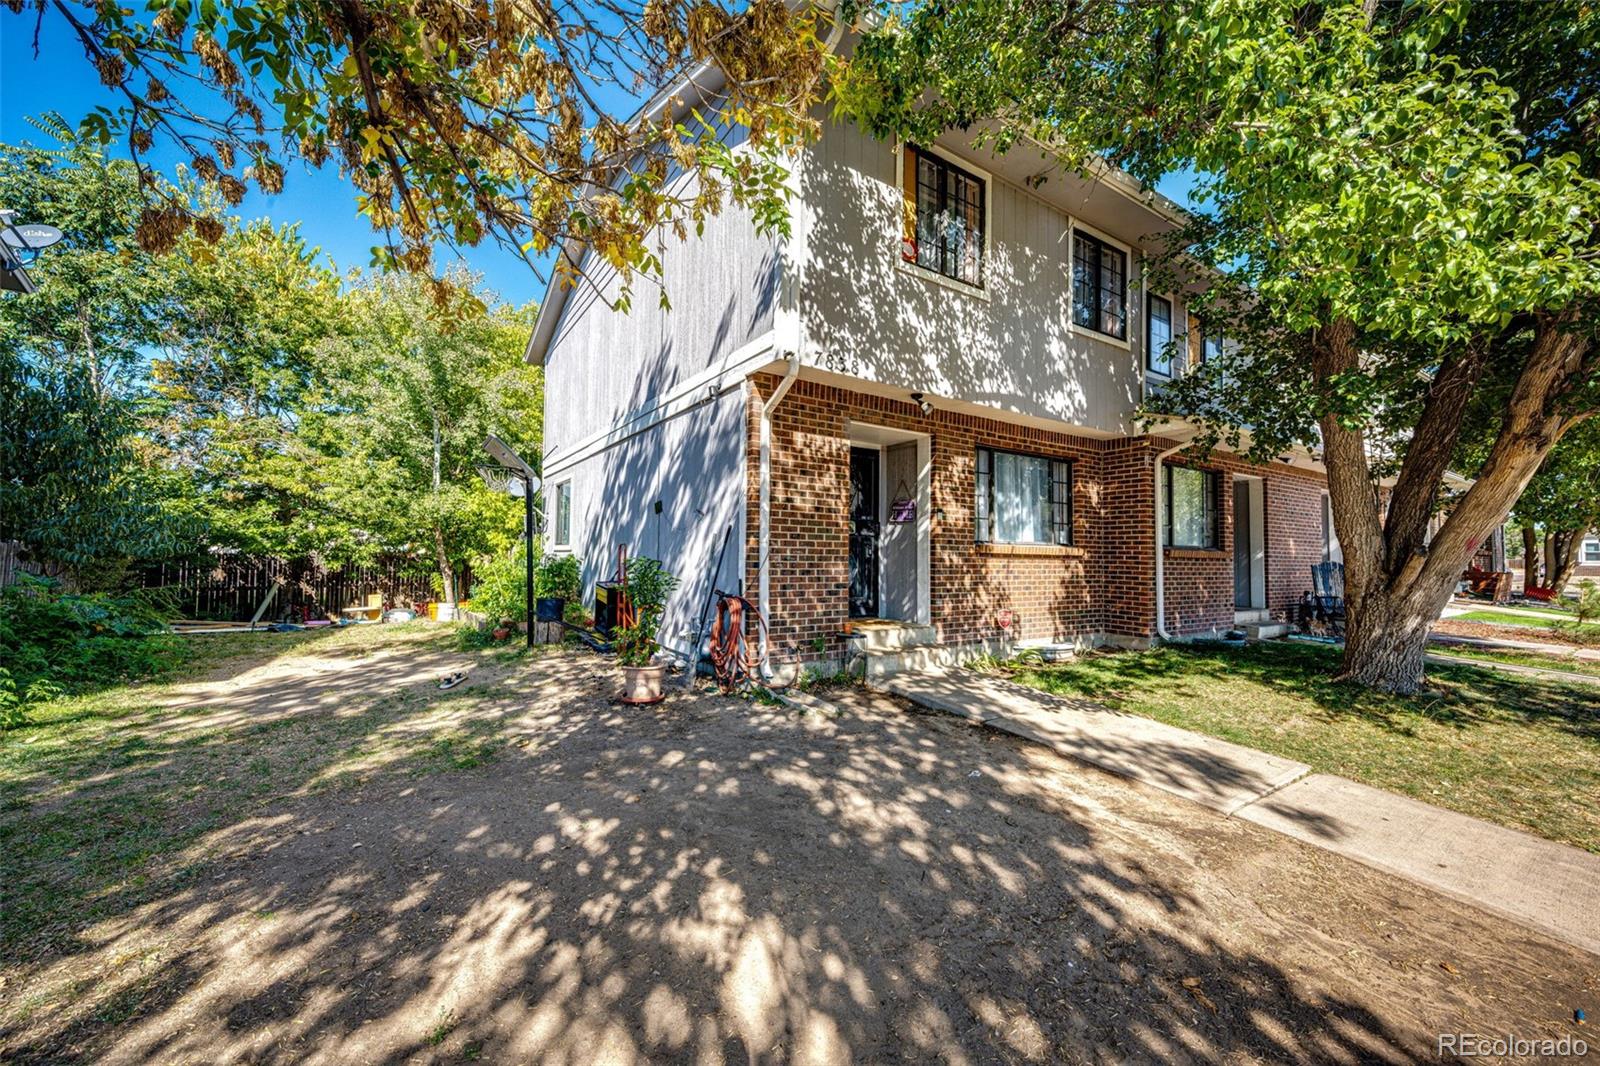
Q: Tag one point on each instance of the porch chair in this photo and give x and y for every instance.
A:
(1327, 582)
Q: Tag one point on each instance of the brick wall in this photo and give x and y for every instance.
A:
(1046, 592)
(1102, 585)
(1128, 549)
(1200, 594)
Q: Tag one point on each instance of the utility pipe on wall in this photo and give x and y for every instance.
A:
(764, 531)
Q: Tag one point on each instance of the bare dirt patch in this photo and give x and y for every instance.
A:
(718, 881)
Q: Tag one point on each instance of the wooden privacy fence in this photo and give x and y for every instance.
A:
(12, 562)
(232, 588)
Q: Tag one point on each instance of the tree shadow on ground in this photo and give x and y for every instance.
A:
(713, 881)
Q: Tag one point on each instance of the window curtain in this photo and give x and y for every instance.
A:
(1021, 499)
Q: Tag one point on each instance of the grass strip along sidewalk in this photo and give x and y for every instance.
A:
(1519, 751)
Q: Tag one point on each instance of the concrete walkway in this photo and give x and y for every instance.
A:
(1210, 772)
(1547, 886)
(1553, 673)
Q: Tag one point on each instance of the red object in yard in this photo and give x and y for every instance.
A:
(1004, 619)
(1543, 595)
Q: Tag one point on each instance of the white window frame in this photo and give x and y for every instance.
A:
(980, 292)
(1591, 551)
(562, 487)
(1133, 262)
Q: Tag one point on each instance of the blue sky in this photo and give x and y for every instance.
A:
(62, 80)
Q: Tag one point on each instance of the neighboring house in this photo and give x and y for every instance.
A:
(932, 426)
(1588, 560)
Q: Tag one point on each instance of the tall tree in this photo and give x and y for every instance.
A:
(507, 119)
(100, 297)
(235, 375)
(1401, 208)
(413, 392)
(81, 490)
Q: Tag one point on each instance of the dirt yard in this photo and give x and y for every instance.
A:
(520, 870)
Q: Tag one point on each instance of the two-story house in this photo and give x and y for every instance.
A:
(917, 408)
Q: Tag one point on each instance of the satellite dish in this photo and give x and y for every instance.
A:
(31, 237)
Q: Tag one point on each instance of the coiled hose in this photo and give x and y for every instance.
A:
(734, 660)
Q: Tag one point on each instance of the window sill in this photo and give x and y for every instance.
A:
(1066, 551)
(1075, 330)
(977, 292)
(1197, 553)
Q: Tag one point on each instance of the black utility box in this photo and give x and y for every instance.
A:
(610, 602)
(550, 608)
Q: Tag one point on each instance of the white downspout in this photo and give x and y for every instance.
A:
(1161, 576)
(764, 529)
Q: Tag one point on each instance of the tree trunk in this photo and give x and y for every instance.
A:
(447, 572)
(1566, 559)
(1396, 587)
(1385, 643)
(1530, 558)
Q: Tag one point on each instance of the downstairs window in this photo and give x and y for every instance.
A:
(1023, 499)
(1191, 498)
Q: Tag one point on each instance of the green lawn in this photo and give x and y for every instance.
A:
(1524, 658)
(1529, 621)
(1509, 749)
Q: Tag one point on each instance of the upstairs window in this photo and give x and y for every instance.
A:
(1099, 286)
(1191, 499)
(945, 227)
(1162, 356)
(1023, 499)
(1591, 551)
(1211, 346)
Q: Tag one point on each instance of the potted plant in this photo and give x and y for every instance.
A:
(649, 585)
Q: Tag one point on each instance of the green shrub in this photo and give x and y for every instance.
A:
(1588, 606)
(499, 586)
(54, 642)
(649, 585)
(559, 575)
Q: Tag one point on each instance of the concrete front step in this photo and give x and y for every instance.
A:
(1266, 631)
(872, 635)
(1244, 618)
(884, 663)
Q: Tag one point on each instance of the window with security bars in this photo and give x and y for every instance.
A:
(1099, 286)
(1023, 499)
(947, 217)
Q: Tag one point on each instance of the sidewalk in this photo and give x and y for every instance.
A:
(1547, 886)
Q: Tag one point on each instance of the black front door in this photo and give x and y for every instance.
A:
(863, 533)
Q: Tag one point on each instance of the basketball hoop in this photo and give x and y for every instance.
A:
(497, 478)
